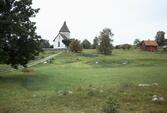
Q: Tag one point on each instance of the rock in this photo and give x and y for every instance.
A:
(144, 85)
(45, 62)
(125, 62)
(93, 89)
(63, 93)
(155, 84)
(60, 93)
(128, 103)
(154, 96)
(34, 95)
(155, 99)
(70, 92)
(161, 99)
(101, 91)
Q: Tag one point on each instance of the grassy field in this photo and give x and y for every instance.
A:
(81, 83)
(46, 53)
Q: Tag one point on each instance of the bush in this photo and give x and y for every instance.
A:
(86, 44)
(75, 46)
(111, 106)
(126, 46)
(27, 70)
(118, 47)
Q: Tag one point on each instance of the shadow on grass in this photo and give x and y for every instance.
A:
(28, 81)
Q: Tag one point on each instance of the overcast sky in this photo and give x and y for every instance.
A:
(128, 19)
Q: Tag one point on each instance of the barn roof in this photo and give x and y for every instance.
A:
(64, 28)
(150, 43)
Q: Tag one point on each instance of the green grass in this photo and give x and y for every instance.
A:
(45, 53)
(45, 90)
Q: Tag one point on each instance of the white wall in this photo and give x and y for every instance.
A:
(59, 39)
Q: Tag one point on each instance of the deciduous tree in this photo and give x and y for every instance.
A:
(67, 42)
(75, 46)
(137, 42)
(160, 38)
(105, 46)
(95, 43)
(19, 42)
(45, 43)
(86, 44)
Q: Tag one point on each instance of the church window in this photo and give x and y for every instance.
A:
(58, 44)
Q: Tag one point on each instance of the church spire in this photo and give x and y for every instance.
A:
(64, 28)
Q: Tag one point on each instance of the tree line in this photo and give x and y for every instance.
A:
(19, 42)
(103, 43)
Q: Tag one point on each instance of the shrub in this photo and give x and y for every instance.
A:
(118, 47)
(86, 44)
(111, 106)
(27, 70)
(126, 46)
(75, 46)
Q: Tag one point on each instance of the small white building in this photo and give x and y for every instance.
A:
(64, 33)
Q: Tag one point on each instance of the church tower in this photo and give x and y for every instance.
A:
(64, 33)
(64, 30)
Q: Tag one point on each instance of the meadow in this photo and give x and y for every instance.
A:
(82, 82)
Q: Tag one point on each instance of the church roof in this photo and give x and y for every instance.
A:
(64, 28)
(62, 35)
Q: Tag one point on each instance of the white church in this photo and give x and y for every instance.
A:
(64, 33)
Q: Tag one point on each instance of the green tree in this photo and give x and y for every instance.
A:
(126, 46)
(160, 38)
(45, 43)
(95, 43)
(105, 46)
(19, 42)
(86, 44)
(75, 46)
(137, 42)
(67, 42)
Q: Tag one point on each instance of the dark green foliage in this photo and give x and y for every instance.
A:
(111, 106)
(118, 47)
(137, 42)
(45, 43)
(67, 42)
(75, 46)
(123, 46)
(160, 38)
(2, 4)
(126, 46)
(95, 43)
(105, 46)
(19, 42)
(86, 44)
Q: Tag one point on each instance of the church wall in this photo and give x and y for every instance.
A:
(59, 40)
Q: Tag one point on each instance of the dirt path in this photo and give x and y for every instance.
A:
(33, 63)
(42, 60)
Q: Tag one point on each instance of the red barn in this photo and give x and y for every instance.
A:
(149, 45)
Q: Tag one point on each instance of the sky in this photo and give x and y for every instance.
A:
(128, 19)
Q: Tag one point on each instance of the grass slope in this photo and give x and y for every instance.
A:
(81, 83)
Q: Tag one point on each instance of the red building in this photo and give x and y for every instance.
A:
(149, 45)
